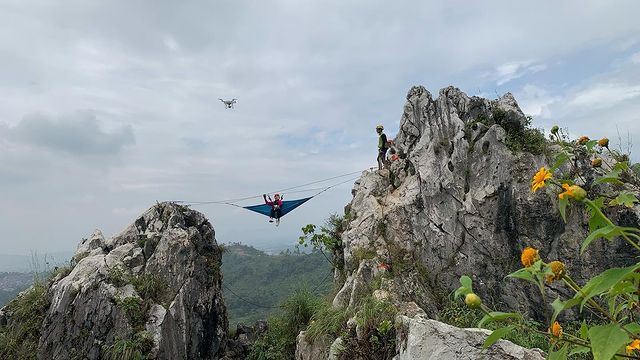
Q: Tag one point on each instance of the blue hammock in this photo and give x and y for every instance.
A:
(287, 206)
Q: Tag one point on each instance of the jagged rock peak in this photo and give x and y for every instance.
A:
(156, 285)
(457, 201)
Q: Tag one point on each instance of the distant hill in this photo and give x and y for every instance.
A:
(17, 271)
(28, 263)
(11, 284)
(256, 283)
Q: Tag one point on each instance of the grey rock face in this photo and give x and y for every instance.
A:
(459, 202)
(158, 281)
(424, 339)
(239, 346)
(318, 349)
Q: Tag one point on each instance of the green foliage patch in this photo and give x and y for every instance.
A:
(19, 339)
(279, 341)
(519, 136)
(378, 334)
(328, 320)
(133, 348)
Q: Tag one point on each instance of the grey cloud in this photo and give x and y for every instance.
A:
(77, 134)
(299, 69)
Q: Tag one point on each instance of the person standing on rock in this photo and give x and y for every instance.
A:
(382, 147)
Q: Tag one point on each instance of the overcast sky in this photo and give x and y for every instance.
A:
(109, 106)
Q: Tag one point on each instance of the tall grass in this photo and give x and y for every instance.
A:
(19, 338)
(279, 341)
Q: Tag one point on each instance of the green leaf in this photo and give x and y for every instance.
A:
(560, 354)
(562, 206)
(560, 160)
(596, 221)
(633, 328)
(623, 287)
(579, 349)
(591, 144)
(626, 198)
(466, 282)
(559, 305)
(605, 281)
(466, 287)
(584, 330)
(621, 166)
(497, 316)
(612, 177)
(496, 335)
(523, 274)
(606, 340)
(608, 232)
(608, 179)
(461, 291)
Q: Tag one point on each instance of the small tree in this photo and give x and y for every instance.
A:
(326, 239)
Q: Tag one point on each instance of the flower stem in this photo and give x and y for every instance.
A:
(597, 210)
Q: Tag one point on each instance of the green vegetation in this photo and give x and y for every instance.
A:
(279, 341)
(327, 238)
(457, 314)
(364, 254)
(612, 295)
(318, 318)
(135, 310)
(19, 339)
(133, 348)
(304, 308)
(148, 286)
(11, 284)
(151, 288)
(328, 320)
(260, 282)
(378, 334)
(520, 136)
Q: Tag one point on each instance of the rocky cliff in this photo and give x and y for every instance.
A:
(153, 290)
(458, 201)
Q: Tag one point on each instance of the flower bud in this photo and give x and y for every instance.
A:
(472, 300)
(557, 269)
(604, 142)
(578, 193)
(583, 140)
(596, 163)
(554, 129)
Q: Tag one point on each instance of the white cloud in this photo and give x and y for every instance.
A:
(604, 95)
(535, 101)
(506, 72)
(171, 43)
(635, 58)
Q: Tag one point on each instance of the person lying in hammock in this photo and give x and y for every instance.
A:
(276, 207)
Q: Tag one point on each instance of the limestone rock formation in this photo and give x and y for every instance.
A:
(154, 289)
(424, 339)
(458, 202)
